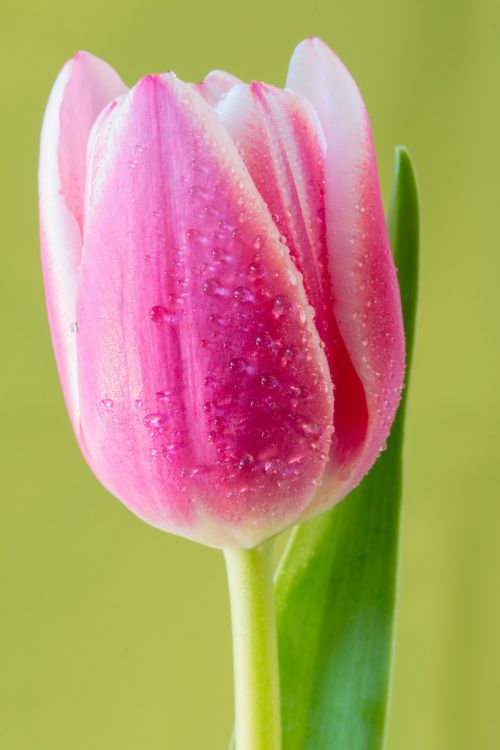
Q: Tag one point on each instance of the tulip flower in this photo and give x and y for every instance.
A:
(223, 303)
(221, 294)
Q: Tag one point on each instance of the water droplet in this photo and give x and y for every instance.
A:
(217, 320)
(155, 420)
(192, 235)
(74, 327)
(289, 353)
(258, 242)
(159, 314)
(281, 305)
(273, 466)
(107, 403)
(246, 461)
(237, 365)
(310, 429)
(269, 403)
(139, 402)
(220, 255)
(199, 193)
(163, 395)
(242, 294)
(210, 212)
(263, 339)
(269, 381)
(213, 288)
(257, 269)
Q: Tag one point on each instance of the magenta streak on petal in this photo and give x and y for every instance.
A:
(283, 148)
(192, 327)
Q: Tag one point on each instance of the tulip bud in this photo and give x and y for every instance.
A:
(221, 293)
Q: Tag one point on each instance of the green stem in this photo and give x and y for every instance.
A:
(255, 649)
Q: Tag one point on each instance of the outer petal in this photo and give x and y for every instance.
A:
(283, 146)
(215, 85)
(206, 398)
(82, 89)
(365, 290)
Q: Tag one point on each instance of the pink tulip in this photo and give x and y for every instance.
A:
(221, 293)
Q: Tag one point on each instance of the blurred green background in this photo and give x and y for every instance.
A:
(114, 635)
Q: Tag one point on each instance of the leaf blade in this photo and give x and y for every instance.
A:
(336, 586)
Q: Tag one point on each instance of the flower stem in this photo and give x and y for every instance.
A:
(255, 650)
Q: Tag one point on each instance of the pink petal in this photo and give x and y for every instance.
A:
(365, 292)
(215, 85)
(82, 89)
(283, 146)
(206, 398)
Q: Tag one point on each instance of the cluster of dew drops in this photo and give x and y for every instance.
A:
(233, 293)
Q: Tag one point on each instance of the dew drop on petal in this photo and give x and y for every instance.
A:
(155, 420)
(263, 339)
(213, 288)
(237, 365)
(268, 381)
(242, 294)
(162, 395)
(246, 461)
(289, 352)
(257, 269)
(310, 429)
(281, 305)
(159, 314)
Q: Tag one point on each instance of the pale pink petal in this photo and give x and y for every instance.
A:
(82, 89)
(283, 146)
(206, 398)
(215, 85)
(97, 146)
(365, 292)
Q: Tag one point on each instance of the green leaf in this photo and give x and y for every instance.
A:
(336, 586)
